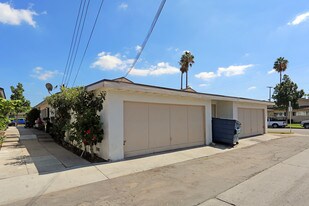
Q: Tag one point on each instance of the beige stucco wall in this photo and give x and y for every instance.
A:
(225, 109)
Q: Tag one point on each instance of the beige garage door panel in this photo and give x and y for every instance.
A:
(151, 127)
(261, 122)
(159, 125)
(179, 125)
(136, 126)
(196, 124)
(241, 119)
(252, 121)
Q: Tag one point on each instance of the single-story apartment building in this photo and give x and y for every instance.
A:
(298, 115)
(141, 119)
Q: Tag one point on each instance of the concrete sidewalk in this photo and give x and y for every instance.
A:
(22, 154)
(46, 167)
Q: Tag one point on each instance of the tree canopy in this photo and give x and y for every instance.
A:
(22, 105)
(287, 91)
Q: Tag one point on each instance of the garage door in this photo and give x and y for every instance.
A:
(150, 128)
(252, 121)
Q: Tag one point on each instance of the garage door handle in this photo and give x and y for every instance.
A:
(124, 142)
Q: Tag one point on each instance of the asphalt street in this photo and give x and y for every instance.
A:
(196, 181)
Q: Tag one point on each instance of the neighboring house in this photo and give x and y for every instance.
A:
(141, 119)
(45, 110)
(298, 115)
(2, 93)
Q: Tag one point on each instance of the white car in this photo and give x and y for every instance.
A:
(305, 124)
(274, 123)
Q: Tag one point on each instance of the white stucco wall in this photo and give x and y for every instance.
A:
(112, 116)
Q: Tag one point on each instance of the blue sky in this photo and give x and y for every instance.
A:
(235, 44)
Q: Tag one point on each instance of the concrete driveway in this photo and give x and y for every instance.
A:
(200, 180)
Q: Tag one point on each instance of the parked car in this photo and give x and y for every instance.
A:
(275, 123)
(19, 121)
(305, 124)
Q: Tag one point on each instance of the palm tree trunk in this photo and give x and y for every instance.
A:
(280, 77)
(181, 80)
(186, 79)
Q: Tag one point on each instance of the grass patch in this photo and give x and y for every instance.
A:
(294, 126)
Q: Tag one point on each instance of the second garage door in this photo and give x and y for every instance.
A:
(252, 121)
(150, 128)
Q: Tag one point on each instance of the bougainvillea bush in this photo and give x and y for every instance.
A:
(76, 112)
(87, 127)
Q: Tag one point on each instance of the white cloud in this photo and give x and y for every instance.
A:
(221, 71)
(161, 68)
(107, 62)
(203, 85)
(233, 70)
(271, 71)
(252, 88)
(123, 6)
(299, 19)
(12, 16)
(41, 74)
(206, 75)
(138, 48)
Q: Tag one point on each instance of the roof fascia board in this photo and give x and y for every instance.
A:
(120, 86)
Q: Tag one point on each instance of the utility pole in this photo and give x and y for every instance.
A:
(269, 87)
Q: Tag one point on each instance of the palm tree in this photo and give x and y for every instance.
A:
(280, 66)
(186, 60)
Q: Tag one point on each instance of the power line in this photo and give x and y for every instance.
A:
(73, 37)
(74, 41)
(78, 43)
(147, 37)
(93, 27)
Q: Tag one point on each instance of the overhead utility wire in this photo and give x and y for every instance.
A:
(147, 37)
(75, 40)
(73, 37)
(93, 27)
(78, 43)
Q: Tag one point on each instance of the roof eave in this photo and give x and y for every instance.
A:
(110, 84)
